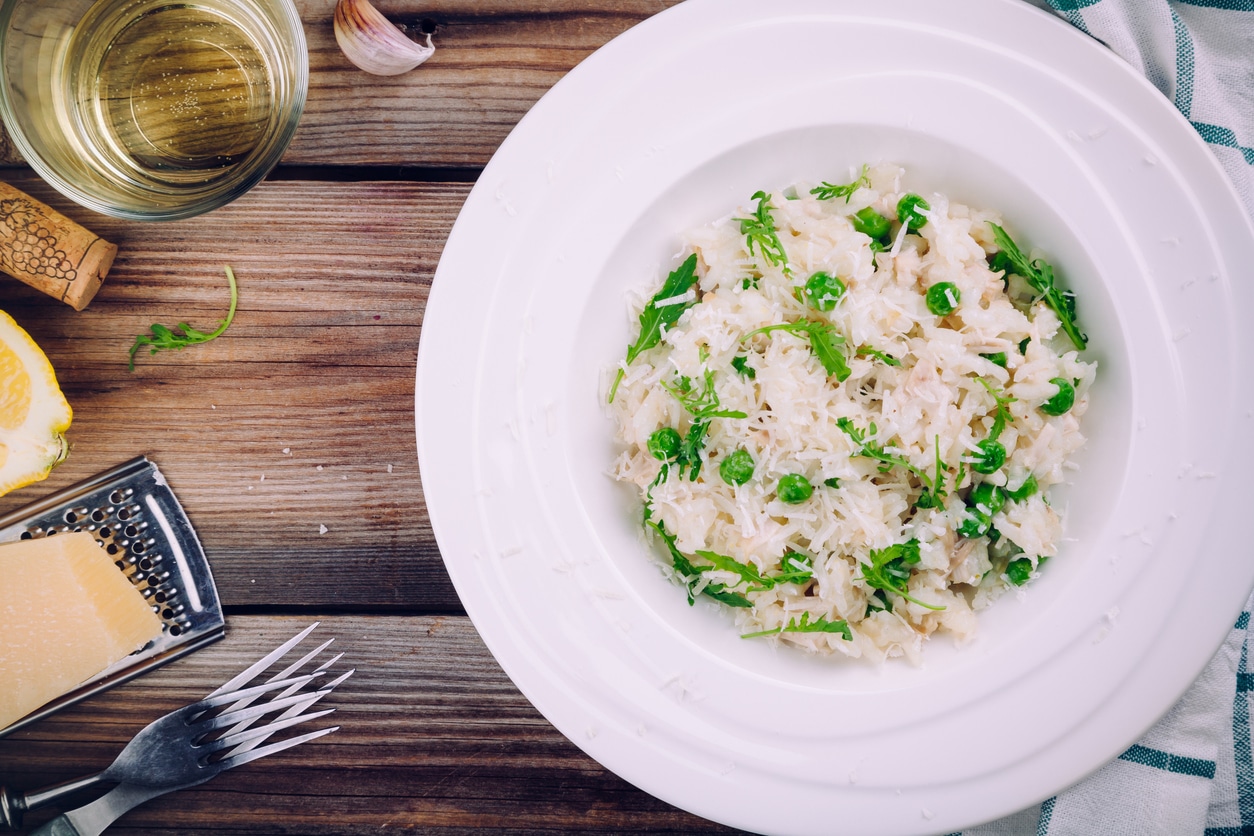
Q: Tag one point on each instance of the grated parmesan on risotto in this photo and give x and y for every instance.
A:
(844, 411)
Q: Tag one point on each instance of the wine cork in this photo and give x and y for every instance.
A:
(49, 252)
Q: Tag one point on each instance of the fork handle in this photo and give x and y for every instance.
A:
(13, 804)
(60, 826)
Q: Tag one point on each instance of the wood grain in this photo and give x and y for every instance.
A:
(300, 416)
(493, 61)
(290, 441)
(434, 739)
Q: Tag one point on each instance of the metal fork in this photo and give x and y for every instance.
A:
(176, 751)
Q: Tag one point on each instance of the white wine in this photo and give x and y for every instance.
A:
(170, 93)
(152, 109)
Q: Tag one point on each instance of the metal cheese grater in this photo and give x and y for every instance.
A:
(136, 518)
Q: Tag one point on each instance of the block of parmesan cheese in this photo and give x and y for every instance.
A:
(66, 614)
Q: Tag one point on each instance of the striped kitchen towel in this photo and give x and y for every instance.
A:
(1193, 773)
(1199, 53)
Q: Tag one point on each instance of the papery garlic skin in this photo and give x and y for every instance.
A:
(373, 43)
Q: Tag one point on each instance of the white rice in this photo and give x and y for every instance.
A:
(934, 398)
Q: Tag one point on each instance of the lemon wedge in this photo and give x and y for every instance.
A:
(34, 415)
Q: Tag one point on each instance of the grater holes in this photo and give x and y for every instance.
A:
(119, 520)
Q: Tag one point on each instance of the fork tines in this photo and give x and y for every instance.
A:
(227, 716)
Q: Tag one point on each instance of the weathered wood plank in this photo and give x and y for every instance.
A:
(493, 61)
(300, 416)
(434, 739)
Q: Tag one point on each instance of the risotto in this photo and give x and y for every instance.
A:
(844, 411)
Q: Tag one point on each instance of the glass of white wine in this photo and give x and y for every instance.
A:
(152, 109)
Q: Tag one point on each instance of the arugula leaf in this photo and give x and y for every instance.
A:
(690, 451)
(1040, 277)
(704, 405)
(796, 568)
(692, 574)
(877, 601)
(889, 570)
(805, 625)
(794, 565)
(865, 351)
(725, 596)
(827, 191)
(164, 338)
(654, 318)
(741, 364)
(748, 573)
(825, 343)
(760, 232)
(1001, 415)
(933, 487)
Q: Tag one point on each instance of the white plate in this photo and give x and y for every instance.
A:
(678, 122)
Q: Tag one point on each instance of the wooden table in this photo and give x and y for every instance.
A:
(301, 417)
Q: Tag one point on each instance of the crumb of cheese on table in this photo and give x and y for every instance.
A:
(66, 614)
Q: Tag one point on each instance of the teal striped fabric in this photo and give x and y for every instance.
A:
(1193, 773)
(1199, 53)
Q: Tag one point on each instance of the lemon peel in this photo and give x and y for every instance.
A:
(34, 413)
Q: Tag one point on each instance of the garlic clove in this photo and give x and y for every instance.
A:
(373, 43)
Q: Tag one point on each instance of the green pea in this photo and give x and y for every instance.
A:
(872, 223)
(823, 290)
(1025, 490)
(1019, 570)
(997, 359)
(737, 468)
(974, 525)
(986, 498)
(983, 502)
(794, 489)
(991, 457)
(908, 211)
(1063, 401)
(943, 298)
(664, 443)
